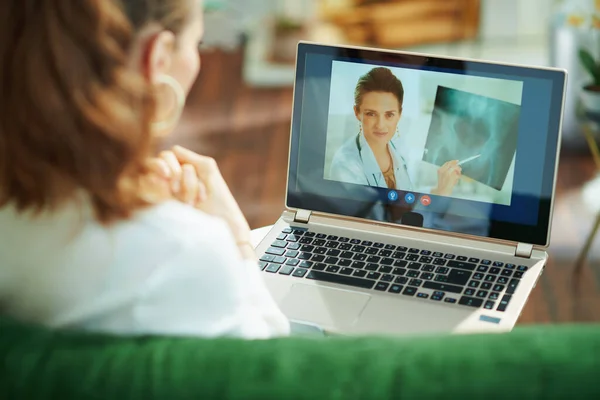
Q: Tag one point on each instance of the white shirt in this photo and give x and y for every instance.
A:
(170, 270)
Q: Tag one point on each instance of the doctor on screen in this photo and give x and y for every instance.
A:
(370, 157)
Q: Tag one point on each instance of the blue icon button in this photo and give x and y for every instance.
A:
(392, 195)
(409, 198)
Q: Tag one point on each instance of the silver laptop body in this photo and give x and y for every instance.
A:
(352, 273)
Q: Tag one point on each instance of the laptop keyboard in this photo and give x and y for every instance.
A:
(452, 278)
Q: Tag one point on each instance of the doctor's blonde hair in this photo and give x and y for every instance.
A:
(379, 79)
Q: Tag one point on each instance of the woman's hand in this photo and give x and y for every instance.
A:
(448, 176)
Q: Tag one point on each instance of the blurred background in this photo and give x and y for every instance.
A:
(239, 110)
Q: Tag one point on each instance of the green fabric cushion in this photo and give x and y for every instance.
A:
(533, 363)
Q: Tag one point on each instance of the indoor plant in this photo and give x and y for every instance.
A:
(590, 94)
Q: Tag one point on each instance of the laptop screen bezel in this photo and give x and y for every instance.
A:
(538, 234)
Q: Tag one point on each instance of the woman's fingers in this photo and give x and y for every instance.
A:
(176, 170)
(159, 167)
(190, 185)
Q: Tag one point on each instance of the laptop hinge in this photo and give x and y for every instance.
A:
(302, 216)
(524, 250)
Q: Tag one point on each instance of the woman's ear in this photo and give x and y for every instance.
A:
(357, 112)
(158, 55)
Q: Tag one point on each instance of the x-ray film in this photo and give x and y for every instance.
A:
(464, 125)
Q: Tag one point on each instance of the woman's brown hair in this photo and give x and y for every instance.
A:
(74, 115)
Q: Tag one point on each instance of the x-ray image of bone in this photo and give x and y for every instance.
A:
(464, 125)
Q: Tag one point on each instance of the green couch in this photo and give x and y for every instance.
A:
(528, 363)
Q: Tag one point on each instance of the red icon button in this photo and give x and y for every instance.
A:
(425, 200)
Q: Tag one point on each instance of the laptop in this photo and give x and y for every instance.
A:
(420, 191)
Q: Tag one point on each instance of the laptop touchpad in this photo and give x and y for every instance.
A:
(328, 307)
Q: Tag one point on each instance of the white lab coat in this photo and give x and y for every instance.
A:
(355, 162)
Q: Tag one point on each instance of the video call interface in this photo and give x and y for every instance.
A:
(433, 147)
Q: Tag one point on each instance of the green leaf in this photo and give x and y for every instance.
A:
(590, 65)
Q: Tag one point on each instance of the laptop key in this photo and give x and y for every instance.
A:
(398, 271)
(470, 301)
(400, 263)
(412, 257)
(378, 245)
(358, 249)
(294, 246)
(333, 252)
(470, 292)
(422, 295)
(512, 286)
(346, 271)
(482, 294)
(498, 288)
(450, 300)
(293, 262)
(413, 274)
(426, 259)
(395, 289)
(357, 264)
(427, 276)
(321, 236)
(502, 280)
(474, 284)
(442, 287)
(506, 272)
(275, 251)
(494, 296)
(490, 278)
(510, 266)
(409, 291)
(267, 258)
(441, 270)
(399, 255)
(318, 258)
(518, 274)
(331, 260)
(286, 270)
(320, 250)
(367, 243)
(282, 236)
(354, 241)
(303, 264)
(414, 265)
(498, 263)
(309, 234)
(522, 268)
(306, 240)
(287, 230)
(332, 237)
(372, 267)
(291, 253)
(345, 246)
(458, 277)
(273, 268)
(344, 240)
(425, 252)
(341, 279)
(300, 272)
(449, 256)
(504, 302)
(262, 265)
(359, 256)
(360, 273)
(489, 305)
(482, 268)
(437, 296)
(344, 262)
(461, 258)
(373, 275)
(413, 250)
(333, 268)
(319, 267)
(387, 261)
(373, 259)
(371, 251)
(473, 260)
(439, 261)
(428, 268)
(382, 286)
(346, 254)
(385, 269)
(387, 278)
(486, 286)
(415, 282)
(462, 265)
(384, 253)
(279, 259)
(478, 276)
(390, 247)
(401, 280)
(495, 270)
(486, 262)
(437, 254)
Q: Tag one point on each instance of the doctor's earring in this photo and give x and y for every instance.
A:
(163, 126)
(359, 129)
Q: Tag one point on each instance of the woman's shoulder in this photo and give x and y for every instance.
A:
(174, 219)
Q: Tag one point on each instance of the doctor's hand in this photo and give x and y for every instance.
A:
(448, 176)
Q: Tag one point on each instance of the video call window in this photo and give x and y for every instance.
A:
(423, 131)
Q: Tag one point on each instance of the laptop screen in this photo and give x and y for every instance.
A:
(452, 145)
